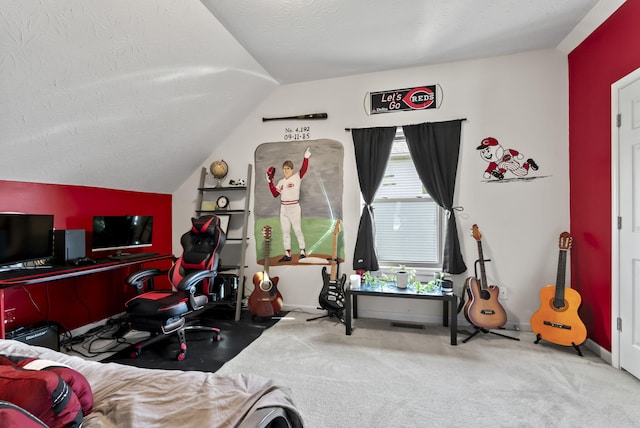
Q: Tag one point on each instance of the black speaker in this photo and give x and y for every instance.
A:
(44, 334)
(69, 245)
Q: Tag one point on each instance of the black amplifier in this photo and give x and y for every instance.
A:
(39, 335)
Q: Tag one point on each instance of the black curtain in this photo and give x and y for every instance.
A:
(434, 148)
(372, 150)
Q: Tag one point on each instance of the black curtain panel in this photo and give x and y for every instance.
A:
(434, 148)
(372, 150)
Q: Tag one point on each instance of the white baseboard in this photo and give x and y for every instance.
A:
(599, 351)
(305, 309)
(396, 316)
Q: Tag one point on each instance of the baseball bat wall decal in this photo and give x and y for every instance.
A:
(299, 117)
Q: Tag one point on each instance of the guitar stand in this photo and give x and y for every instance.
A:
(576, 347)
(485, 331)
(330, 314)
(339, 314)
(479, 329)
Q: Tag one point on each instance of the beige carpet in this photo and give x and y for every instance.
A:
(384, 376)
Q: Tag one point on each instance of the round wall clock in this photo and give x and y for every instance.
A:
(222, 203)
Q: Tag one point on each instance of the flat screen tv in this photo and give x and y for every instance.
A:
(25, 238)
(121, 232)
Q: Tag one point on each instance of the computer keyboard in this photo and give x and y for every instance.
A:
(132, 256)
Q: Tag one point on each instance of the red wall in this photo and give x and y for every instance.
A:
(608, 54)
(78, 301)
(73, 207)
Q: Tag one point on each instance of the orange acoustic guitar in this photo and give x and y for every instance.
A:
(483, 309)
(265, 300)
(557, 318)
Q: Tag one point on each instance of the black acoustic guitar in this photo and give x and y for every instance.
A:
(332, 294)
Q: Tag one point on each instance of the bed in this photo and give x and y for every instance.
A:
(125, 396)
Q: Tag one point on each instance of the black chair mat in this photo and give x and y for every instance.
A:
(204, 353)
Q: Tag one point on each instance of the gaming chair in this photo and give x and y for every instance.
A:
(163, 312)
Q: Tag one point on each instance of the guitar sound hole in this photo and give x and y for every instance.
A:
(266, 285)
(484, 294)
(558, 304)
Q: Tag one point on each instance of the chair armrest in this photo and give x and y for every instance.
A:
(189, 282)
(139, 278)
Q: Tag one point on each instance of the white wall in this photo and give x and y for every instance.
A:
(519, 99)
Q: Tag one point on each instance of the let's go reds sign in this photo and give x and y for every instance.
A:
(419, 98)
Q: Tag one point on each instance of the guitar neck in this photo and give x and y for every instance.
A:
(334, 264)
(334, 256)
(562, 267)
(483, 275)
(266, 256)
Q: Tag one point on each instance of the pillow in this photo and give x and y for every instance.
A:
(12, 416)
(43, 394)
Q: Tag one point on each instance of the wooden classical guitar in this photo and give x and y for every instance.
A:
(557, 319)
(483, 309)
(331, 296)
(265, 300)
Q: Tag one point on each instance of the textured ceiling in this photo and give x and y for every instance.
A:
(119, 94)
(303, 40)
(135, 95)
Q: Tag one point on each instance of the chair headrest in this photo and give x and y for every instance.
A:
(205, 224)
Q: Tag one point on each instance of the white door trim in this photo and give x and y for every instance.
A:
(615, 201)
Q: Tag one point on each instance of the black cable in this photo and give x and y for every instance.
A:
(88, 339)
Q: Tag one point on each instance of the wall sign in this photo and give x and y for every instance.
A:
(418, 98)
(297, 133)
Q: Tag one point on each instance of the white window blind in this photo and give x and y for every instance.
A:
(408, 222)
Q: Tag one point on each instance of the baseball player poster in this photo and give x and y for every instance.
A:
(298, 193)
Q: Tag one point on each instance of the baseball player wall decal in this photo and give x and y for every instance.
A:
(288, 189)
(316, 185)
(502, 161)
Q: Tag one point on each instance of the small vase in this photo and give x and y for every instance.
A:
(401, 279)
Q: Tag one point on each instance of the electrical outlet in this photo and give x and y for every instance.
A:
(503, 293)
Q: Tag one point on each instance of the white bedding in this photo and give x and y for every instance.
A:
(126, 396)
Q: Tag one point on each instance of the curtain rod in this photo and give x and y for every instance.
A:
(463, 119)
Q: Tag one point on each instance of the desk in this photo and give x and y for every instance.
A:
(449, 303)
(26, 277)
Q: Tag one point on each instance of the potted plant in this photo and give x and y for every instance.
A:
(404, 277)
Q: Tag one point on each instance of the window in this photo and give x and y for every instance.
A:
(408, 222)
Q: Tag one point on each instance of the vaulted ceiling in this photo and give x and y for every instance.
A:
(134, 94)
(303, 40)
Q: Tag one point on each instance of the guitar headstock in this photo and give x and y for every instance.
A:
(565, 241)
(336, 229)
(266, 232)
(475, 232)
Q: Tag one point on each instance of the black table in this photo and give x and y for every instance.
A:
(389, 289)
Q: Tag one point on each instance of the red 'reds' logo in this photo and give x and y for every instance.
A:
(419, 98)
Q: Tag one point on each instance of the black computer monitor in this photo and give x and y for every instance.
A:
(121, 232)
(25, 238)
